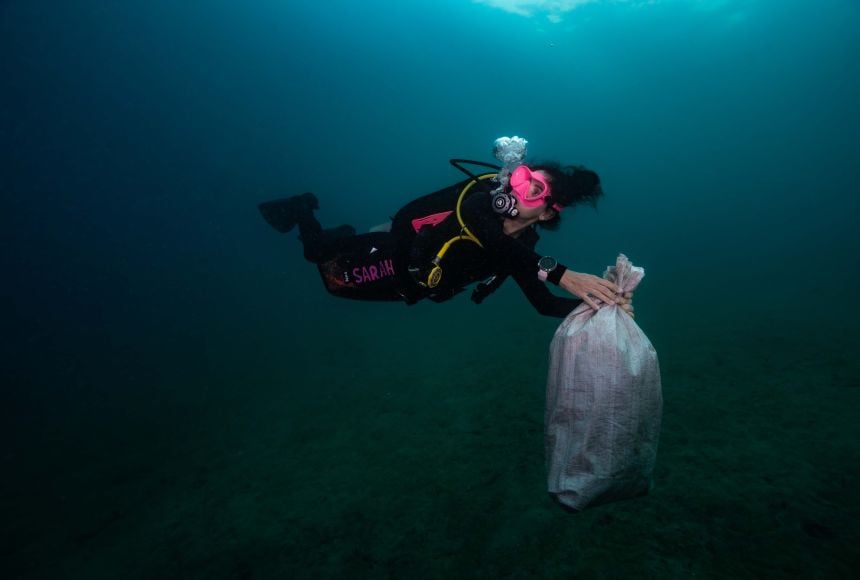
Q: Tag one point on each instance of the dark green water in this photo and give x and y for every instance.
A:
(180, 398)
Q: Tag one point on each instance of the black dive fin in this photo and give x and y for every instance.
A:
(282, 214)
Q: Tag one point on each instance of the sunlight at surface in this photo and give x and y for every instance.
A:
(554, 9)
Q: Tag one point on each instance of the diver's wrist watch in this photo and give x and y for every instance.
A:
(546, 265)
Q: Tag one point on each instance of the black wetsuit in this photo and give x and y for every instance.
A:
(375, 266)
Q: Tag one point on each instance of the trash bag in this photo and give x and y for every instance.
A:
(603, 403)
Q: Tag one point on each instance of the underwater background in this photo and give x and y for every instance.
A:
(182, 399)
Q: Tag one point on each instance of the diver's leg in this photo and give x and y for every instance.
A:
(282, 214)
(321, 245)
(285, 214)
(361, 267)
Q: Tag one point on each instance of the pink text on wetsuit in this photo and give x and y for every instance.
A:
(371, 273)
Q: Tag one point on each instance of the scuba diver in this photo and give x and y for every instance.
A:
(482, 229)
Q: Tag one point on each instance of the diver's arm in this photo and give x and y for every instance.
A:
(539, 296)
(508, 254)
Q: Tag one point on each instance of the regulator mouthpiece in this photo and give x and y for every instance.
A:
(505, 204)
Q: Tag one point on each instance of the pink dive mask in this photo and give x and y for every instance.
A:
(531, 188)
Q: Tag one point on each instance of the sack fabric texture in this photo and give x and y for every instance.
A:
(604, 403)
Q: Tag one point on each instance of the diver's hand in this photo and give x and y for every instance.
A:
(592, 289)
(625, 302)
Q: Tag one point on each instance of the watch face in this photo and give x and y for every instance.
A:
(547, 264)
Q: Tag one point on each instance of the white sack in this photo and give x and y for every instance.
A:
(603, 403)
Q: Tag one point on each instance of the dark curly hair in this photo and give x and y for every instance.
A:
(571, 185)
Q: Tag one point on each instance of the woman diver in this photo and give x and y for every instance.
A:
(478, 230)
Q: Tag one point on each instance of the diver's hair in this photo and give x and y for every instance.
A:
(571, 185)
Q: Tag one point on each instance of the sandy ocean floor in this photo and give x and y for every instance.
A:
(345, 456)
